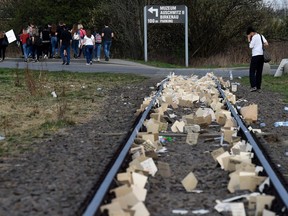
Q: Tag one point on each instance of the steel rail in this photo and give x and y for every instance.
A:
(269, 170)
(101, 192)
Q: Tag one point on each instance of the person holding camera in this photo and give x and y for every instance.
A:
(257, 60)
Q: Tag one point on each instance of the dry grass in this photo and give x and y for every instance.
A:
(29, 112)
(239, 55)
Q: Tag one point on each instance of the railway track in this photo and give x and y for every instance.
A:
(198, 179)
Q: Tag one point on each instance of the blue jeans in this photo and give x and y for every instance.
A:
(65, 58)
(89, 53)
(107, 45)
(54, 45)
(97, 50)
(75, 47)
(25, 51)
(29, 50)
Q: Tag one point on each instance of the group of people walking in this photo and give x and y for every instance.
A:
(53, 39)
(57, 41)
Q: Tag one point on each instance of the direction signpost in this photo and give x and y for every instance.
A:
(154, 14)
(166, 14)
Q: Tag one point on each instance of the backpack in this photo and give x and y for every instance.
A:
(46, 35)
(98, 38)
(29, 41)
(5, 42)
(76, 36)
(82, 33)
(37, 41)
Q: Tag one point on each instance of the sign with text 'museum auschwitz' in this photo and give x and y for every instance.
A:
(165, 14)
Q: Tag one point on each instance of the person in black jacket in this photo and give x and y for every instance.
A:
(107, 35)
(46, 41)
(3, 45)
(65, 45)
(36, 45)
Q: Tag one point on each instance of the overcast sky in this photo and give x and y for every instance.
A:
(277, 3)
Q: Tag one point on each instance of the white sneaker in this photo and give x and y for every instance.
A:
(98, 59)
(87, 64)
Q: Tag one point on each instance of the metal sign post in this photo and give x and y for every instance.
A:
(166, 14)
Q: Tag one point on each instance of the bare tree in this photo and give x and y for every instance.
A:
(5, 12)
(214, 25)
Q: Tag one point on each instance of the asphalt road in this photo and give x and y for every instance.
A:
(120, 66)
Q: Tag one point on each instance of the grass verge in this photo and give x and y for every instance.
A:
(29, 112)
(271, 83)
(167, 65)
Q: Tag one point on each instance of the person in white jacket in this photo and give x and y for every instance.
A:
(257, 60)
(89, 43)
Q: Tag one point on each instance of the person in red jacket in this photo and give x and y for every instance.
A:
(24, 37)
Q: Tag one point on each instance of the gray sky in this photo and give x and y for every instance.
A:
(277, 3)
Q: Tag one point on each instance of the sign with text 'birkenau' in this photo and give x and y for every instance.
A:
(166, 14)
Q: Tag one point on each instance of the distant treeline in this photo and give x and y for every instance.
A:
(214, 25)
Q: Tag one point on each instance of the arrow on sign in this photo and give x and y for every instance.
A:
(152, 10)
